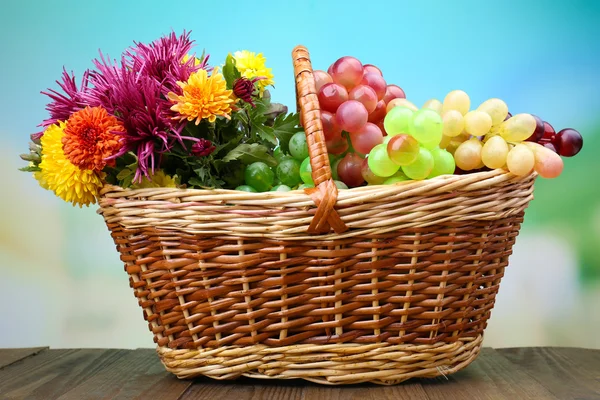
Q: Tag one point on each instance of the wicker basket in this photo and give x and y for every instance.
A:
(373, 284)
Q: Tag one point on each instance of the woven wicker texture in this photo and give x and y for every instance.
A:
(399, 283)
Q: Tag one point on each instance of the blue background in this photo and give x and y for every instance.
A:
(541, 57)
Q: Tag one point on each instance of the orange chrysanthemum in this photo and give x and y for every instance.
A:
(90, 139)
(203, 97)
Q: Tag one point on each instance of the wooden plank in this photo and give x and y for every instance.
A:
(490, 376)
(569, 373)
(52, 372)
(409, 390)
(136, 374)
(9, 356)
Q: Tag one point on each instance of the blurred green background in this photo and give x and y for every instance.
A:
(61, 281)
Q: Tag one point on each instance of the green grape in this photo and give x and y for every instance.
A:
(397, 120)
(518, 127)
(397, 177)
(340, 185)
(278, 154)
(477, 123)
(306, 172)
(426, 126)
(380, 163)
(457, 100)
(281, 188)
(443, 163)
(298, 147)
(454, 123)
(288, 172)
(305, 186)
(434, 104)
(496, 109)
(422, 166)
(246, 188)
(334, 160)
(259, 176)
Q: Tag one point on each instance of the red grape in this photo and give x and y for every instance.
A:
(371, 68)
(321, 78)
(508, 115)
(331, 96)
(549, 145)
(382, 128)
(347, 71)
(393, 92)
(366, 95)
(350, 170)
(568, 142)
(351, 116)
(377, 82)
(549, 132)
(331, 129)
(379, 113)
(367, 138)
(368, 175)
(337, 145)
(330, 69)
(538, 133)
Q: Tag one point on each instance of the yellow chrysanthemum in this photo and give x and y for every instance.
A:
(159, 179)
(66, 180)
(203, 97)
(40, 178)
(187, 57)
(252, 65)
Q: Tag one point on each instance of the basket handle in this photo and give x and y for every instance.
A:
(325, 193)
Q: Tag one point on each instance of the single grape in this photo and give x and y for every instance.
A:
(349, 170)
(403, 149)
(518, 127)
(494, 152)
(568, 142)
(331, 129)
(426, 126)
(259, 176)
(321, 78)
(246, 188)
(340, 185)
(434, 104)
(376, 82)
(306, 172)
(453, 123)
(496, 109)
(371, 68)
(278, 154)
(477, 123)
(549, 132)
(288, 172)
(393, 92)
(398, 120)
(380, 163)
(337, 145)
(298, 146)
(468, 154)
(400, 102)
(457, 100)
(347, 71)
(538, 133)
(520, 160)
(397, 177)
(550, 146)
(421, 167)
(443, 163)
(457, 141)
(281, 188)
(351, 116)
(368, 175)
(334, 159)
(366, 138)
(365, 95)
(547, 163)
(331, 96)
(379, 113)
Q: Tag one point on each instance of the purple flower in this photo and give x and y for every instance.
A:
(203, 148)
(244, 89)
(63, 105)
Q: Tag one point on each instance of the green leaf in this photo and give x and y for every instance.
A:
(249, 153)
(124, 173)
(265, 133)
(284, 128)
(30, 169)
(230, 72)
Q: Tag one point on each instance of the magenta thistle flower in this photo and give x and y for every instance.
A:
(203, 148)
(63, 105)
(244, 89)
(164, 60)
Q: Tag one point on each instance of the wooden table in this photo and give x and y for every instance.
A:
(515, 374)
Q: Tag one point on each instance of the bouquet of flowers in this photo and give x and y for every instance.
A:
(158, 117)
